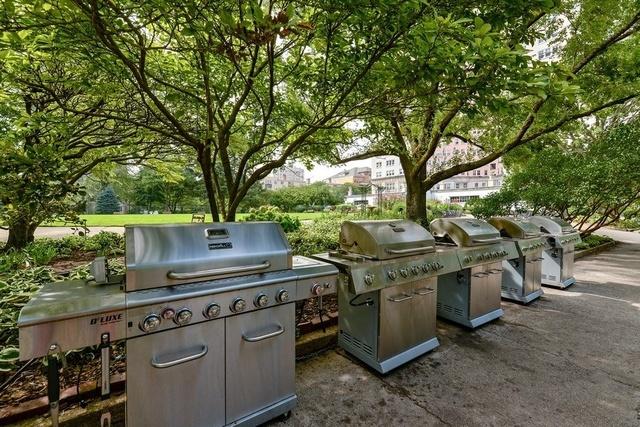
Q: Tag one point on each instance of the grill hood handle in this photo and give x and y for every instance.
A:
(217, 271)
(410, 250)
(491, 240)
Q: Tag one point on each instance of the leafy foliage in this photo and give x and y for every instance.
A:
(592, 240)
(308, 197)
(273, 213)
(318, 236)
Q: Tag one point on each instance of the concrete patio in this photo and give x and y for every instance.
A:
(571, 358)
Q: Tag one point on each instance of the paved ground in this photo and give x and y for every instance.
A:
(59, 232)
(569, 359)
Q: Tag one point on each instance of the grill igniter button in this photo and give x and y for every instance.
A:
(150, 323)
(238, 305)
(317, 289)
(183, 316)
(211, 311)
(282, 295)
(168, 313)
(261, 300)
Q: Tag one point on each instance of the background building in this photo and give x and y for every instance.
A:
(356, 176)
(285, 176)
(388, 182)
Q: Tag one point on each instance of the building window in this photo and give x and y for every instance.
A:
(391, 172)
(492, 166)
(378, 164)
(484, 184)
(464, 185)
(476, 185)
(378, 174)
(457, 185)
(400, 172)
(391, 162)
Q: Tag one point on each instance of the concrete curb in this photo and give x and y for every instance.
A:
(595, 250)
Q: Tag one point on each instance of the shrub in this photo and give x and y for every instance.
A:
(273, 213)
(321, 235)
(592, 241)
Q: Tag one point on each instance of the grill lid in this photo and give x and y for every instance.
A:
(514, 228)
(465, 232)
(162, 255)
(385, 239)
(552, 225)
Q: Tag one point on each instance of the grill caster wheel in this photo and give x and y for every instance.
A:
(285, 416)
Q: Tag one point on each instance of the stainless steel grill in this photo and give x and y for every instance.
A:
(471, 296)
(387, 290)
(557, 263)
(521, 276)
(208, 316)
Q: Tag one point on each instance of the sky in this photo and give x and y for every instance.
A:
(320, 172)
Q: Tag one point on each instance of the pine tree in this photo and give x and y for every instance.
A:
(107, 202)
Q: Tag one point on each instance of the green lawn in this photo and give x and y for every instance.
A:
(120, 220)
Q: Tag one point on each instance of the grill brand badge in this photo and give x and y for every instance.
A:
(220, 245)
(106, 319)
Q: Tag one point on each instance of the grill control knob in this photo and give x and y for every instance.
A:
(440, 265)
(150, 323)
(282, 295)
(238, 305)
(317, 289)
(404, 272)
(415, 270)
(183, 316)
(392, 274)
(211, 311)
(261, 300)
(368, 279)
(425, 267)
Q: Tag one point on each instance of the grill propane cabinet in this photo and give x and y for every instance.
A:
(557, 263)
(387, 290)
(207, 311)
(471, 296)
(521, 276)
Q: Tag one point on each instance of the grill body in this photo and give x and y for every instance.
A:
(471, 296)
(558, 257)
(210, 342)
(387, 290)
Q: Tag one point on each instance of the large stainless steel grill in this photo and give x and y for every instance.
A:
(557, 263)
(387, 290)
(208, 316)
(471, 296)
(521, 276)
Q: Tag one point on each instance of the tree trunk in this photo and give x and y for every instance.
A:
(416, 199)
(20, 234)
(204, 160)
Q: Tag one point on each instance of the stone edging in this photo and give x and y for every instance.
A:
(594, 250)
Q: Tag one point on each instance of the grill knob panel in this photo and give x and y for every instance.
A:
(183, 316)
(368, 279)
(392, 274)
(211, 311)
(282, 295)
(150, 323)
(238, 305)
(261, 300)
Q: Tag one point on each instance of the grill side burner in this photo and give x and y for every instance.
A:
(521, 276)
(226, 337)
(471, 296)
(558, 257)
(387, 290)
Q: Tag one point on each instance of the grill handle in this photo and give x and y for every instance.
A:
(481, 274)
(491, 240)
(404, 297)
(268, 335)
(424, 291)
(410, 250)
(160, 365)
(217, 271)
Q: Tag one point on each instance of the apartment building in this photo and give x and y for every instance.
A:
(285, 176)
(356, 176)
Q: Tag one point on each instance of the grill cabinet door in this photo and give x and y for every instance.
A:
(177, 394)
(424, 301)
(260, 360)
(397, 330)
(477, 291)
(567, 262)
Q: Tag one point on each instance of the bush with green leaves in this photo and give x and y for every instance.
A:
(273, 213)
(593, 240)
(318, 236)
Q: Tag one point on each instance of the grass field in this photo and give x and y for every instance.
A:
(120, 220)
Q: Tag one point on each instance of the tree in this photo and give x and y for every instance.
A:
(465, 73)
(590, 187)
(317, 194)
(246, 86)
(107, 202)
(45, 149)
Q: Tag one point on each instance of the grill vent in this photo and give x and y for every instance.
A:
(439, 305)
(552, 277)
(355, 342)
(448, 308)
(458, 312)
